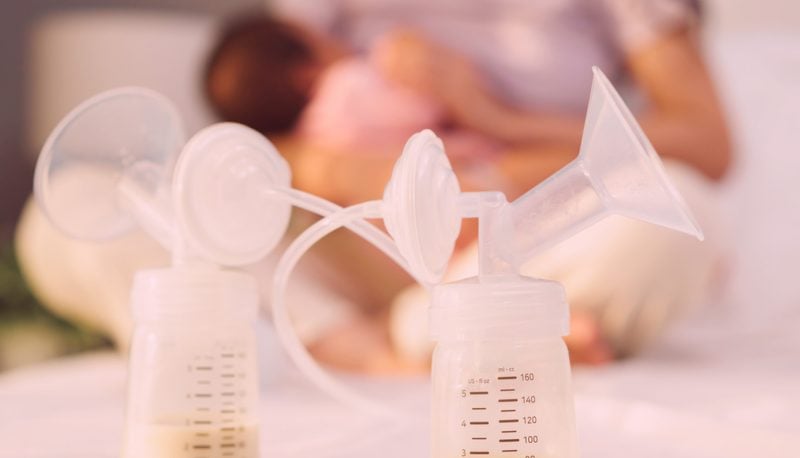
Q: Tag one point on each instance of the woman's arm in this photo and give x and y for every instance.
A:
(684, 119)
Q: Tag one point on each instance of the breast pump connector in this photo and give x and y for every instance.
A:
(501, 375)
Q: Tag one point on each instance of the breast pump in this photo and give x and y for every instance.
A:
(501, 375)
(220, 200)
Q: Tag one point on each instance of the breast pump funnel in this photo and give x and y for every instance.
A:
(131, 135)
(616, 172)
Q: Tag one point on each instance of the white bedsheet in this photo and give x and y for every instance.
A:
(726, 384)
(697, 394)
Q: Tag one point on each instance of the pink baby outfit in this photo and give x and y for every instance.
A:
(354, 105)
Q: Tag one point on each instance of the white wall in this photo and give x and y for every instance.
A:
(732, 16)
(16, 17)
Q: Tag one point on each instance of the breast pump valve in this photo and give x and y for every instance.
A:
(501, 374)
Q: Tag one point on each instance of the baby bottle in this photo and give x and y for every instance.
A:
(193, 388)
(501, 375)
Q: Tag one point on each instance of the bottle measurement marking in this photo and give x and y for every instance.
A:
(507, 439)
(204, 368)
(203, 395)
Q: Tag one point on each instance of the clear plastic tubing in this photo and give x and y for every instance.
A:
(354, 219)
(364, 229)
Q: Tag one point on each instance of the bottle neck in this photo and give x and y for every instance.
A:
(499, 308)
(193, 293)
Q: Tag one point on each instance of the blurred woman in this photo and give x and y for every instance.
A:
(514, 72)
(518, 72)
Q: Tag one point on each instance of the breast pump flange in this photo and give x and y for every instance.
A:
(501, 375)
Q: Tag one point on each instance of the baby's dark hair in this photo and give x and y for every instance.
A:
(251, 74)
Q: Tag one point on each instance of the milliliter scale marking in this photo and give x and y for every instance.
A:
(218, 396)
(501, 419)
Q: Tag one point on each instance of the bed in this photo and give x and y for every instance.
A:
(722, 383)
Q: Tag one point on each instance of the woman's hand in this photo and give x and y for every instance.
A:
(408, 58)
(684, 121)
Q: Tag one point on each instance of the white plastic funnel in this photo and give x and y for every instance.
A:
(616, 172)
(131, 133)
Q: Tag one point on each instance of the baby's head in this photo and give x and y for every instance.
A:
(261, 73)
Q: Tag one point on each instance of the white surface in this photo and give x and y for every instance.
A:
(699, 394)
(75, 408)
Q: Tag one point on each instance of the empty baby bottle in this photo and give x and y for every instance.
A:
(501, 375)
(193, 388)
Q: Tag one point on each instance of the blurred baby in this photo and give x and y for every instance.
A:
(278, 77)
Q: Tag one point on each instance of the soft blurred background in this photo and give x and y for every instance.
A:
(58, 52)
